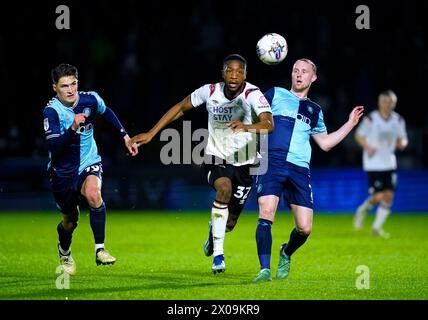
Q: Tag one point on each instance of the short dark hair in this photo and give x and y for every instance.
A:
(63, 70)
(234, 56)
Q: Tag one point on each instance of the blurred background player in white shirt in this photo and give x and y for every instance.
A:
(380, 133)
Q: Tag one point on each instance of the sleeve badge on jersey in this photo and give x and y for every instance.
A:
(263, 100)
(87, 112)
(46, 124)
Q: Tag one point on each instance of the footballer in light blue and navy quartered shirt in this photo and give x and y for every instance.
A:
(289, 148)
(72, 152)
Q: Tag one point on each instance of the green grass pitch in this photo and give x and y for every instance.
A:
(160, 256)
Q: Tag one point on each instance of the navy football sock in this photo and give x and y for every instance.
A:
(295, 242)
(64, 237)
(97, 218)
(264, 242)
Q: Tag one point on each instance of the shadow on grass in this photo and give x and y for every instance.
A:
(29, 286)
(22, 280)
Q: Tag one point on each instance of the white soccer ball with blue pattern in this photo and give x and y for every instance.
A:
(272, 48)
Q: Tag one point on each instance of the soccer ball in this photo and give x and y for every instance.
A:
(272, 48)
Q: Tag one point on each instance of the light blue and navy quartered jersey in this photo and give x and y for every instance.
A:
(295, 120)
(70, 152)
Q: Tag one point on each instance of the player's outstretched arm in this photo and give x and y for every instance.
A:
(171, 115)
(326, 141)
(113, 120)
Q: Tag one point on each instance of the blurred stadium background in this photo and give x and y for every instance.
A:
(142, 59)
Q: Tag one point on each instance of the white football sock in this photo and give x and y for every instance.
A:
(63, 252)
(367, 205)
(382, 213)
(99, 246)
(219, 214)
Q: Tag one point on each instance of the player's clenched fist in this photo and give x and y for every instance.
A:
(237, 126)
(78, 119)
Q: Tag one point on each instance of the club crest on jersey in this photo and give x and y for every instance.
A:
(263, 100)
(46, 124)
(310, 109)
(87, 112)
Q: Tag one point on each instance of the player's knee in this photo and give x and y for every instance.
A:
(267, 214)
(377, 197)
(69, 226)
(93, 196)
(224, 192)
(304, 230)
(388, 198)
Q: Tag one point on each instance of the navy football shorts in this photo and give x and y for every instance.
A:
(66, 190)
(288, 180)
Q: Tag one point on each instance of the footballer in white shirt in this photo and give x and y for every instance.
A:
(237, 112)
(380, 134)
